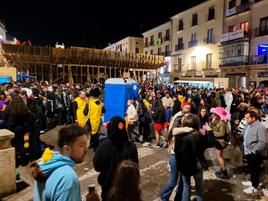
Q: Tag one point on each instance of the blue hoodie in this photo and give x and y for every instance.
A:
(62, 183)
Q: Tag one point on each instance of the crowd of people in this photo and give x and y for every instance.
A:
(29, 109)
(185, 120)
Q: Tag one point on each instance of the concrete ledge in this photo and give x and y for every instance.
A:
(5, 138)
(7, 172)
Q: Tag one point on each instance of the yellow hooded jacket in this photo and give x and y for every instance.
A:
(95, 110)
(81, 118)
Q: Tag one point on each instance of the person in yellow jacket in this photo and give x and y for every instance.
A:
(79, 107)
(95, 110)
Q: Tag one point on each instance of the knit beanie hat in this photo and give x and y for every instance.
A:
(185, 104)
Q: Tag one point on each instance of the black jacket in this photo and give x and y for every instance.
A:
(176, 107)
(111, 152)
(189, 150)
(159, 115)
(106, 160)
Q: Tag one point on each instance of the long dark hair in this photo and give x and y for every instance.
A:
(205, 118)
(126, 183)
(192, 121)
(18, 109)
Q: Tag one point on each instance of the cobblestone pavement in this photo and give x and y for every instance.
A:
(154, 174)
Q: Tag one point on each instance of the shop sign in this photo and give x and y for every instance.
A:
(262, 74)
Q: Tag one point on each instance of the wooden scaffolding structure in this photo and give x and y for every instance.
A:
(79, 65)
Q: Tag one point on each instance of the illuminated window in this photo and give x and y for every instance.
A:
(244, 26)
(209, 61)
(193, 62)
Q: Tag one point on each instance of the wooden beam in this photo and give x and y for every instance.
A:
(50, 74)
(98, 75)
(42, 72)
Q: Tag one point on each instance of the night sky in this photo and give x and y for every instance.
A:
(87, 23)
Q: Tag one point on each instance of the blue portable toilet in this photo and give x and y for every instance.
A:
(116, 93)
(135, 88)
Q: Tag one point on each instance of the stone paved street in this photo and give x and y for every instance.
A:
(154, 174)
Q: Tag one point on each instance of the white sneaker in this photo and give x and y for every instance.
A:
(156, 145)
(165, 145)
(250, 190)
(146, 144)
(246, 183)
(140, 138)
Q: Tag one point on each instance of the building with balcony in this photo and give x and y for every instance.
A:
(235, 41)
(241, 39)
(257, 69)
(129, 44)
(195, 41)
(2, 39)
(234, 49)
(2, 32)
(157, 41)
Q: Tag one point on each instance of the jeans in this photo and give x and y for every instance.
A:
(173, 180)
(168, 114)
(130, 132)
(254, 165)
(144, 131)
(198, 177)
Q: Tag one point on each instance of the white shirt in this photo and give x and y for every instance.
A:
(132, 113)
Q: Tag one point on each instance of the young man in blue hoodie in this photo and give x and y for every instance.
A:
(54, 174)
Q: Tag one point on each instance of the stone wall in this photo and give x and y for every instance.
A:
(7, 164)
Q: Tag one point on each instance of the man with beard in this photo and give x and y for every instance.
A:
(54, 174)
